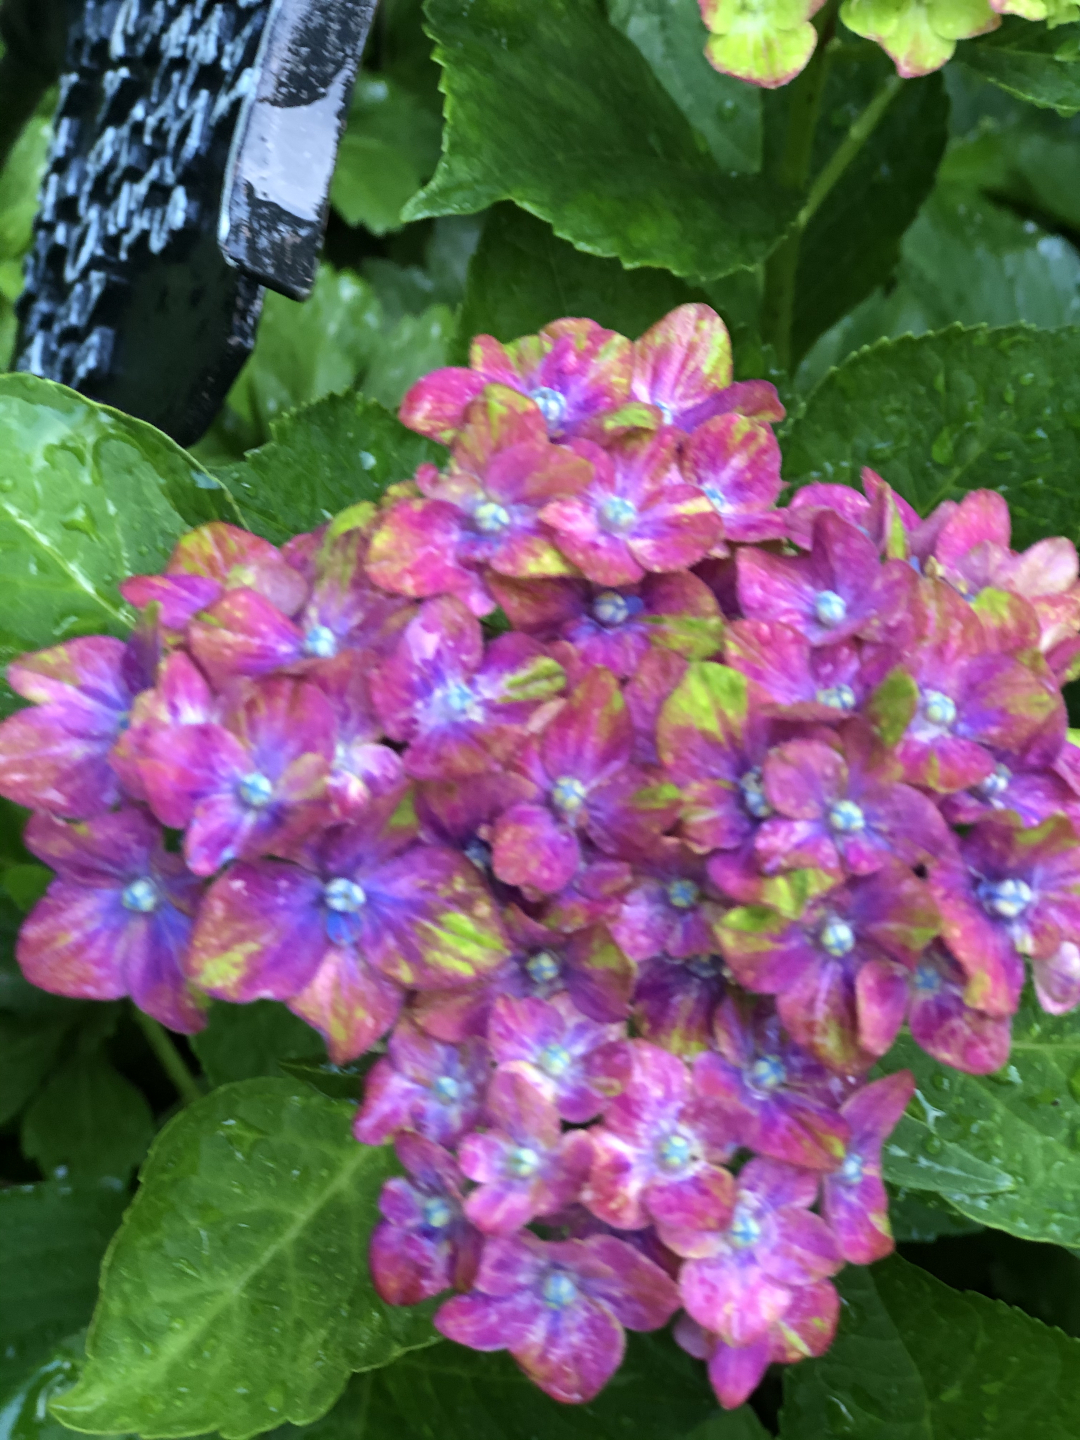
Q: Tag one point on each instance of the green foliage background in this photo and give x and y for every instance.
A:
(913, 288)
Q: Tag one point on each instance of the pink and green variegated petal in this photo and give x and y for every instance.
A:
(442, 641)
(616, 1181)
(713, 816)
(46, 765)
(86, 674)
(407, 1266)
(361, 774)
(435, 406)
(675, 1000)
(750, 44)
(756, 399)
(599, 976)
(179, 596)
(987, 954)
(735, 461)
(1010, 622)
(529, 555)
(952, 1031)
(638, 1291)
(540, 607)
(818, 1011)
(945, 763)
(533, 850)
(1049, 567)
(982, 518)
(430, 922)
(858, 1216)
(484, 1322)
(808, 502)
(808, 1325)
(736, 1301)
(682, 614)
(235, 558)
(803, 778)
(350, 1004)
(260, 933)
(703, 1200)
(576, 1353)
(702, 727)
(795, 844)
(69, 942)
(735, 1371)
(803, 1249)
(881, 998)
(243, 635)
(592, 735)
(775, 1186)
(766, 952)
(627, 815)
(603, 557)
(1057, 979)
(150, 954)
(107, 851)
(676, 531)
(414, 552)
(874, 1111)
(499, 418)
(180, 765)
(683, 360)
(1006, 702)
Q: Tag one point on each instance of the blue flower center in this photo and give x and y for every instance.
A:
(674, 1152)
(705, 967)
(938, 709)
(837, 937)
(610, 608)
(830, 608)
(837, 697)
(551, 404)
(683, 894)
(927, 980)
(1007, 899)
(767, 1073)
(447, 1089)
(479, 854)
(846, 817)
(753, 794)
(320, 643)
(543, 967)
(568, 795)
(744, 1230)
(996, 783)
(490, 517)
(716, 498)
(141, 896)
(344, 896)
(437, 1214)
(558, 1290)
(555, 1060)
(459, 702)
(256, 790)
(522, 1162)
(617, 513)
(851, 1171)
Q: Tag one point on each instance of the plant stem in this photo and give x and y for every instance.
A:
(778, 307)
(170, 1059)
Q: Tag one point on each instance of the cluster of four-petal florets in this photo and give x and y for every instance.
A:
(640, 887)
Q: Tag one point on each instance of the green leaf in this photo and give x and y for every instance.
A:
(725, 112)
(24, 1406)
(389, 149)
(942, 414)
(19, 181)
(523, 276)
(964, 259)
(659, 1393)
(237, 1295)
(1020, 1126)
(915, 1360)
(88, 1120)
(340, 1082)
(920, 1215)
(852, 243)
(411, 348)
(323, 458)
(52, 1238)
(550, 106)
(1033, 62)
(241, 1042)
(87, 497)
